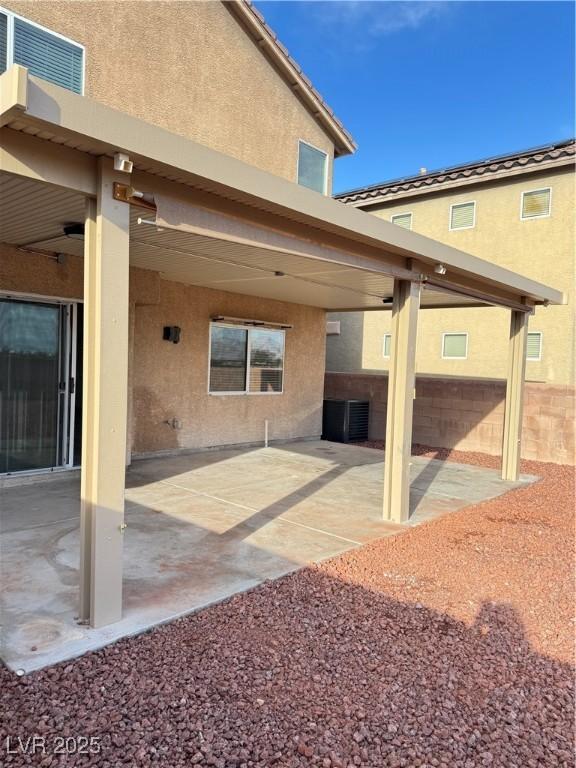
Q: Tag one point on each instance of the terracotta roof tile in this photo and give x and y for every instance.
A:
(565, 150)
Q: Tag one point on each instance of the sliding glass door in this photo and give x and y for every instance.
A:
(37, 350)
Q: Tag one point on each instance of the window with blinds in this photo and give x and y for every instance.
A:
(402, 220)
(44, 53)
(536, 203)
(3, 42)
(462, 215)
(455, 346)
(534, 346)
(386, 342)
(246, 360)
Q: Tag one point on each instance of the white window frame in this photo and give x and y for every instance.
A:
(325, 180)
(246, 390)
(384, 355)
(541, 215)
(404, 213)
(452, 357)
(10, 40)
(461, 229)
(539, 358)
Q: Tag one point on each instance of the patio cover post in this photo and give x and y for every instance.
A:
(106, 270)
(401, 383)
(514, 395)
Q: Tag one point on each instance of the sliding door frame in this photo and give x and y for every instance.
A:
(68, 366)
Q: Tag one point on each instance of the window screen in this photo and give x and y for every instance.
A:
(48, 56)
(228, 356)
(534, 346)
(402, 220)
(455, 345)
(246, 359)
(386, 345)
(311, 168)
(462, 216)
(3, 42)
(536, 203)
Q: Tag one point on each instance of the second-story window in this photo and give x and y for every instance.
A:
(44, 53)
(454, 346)
(536, 203)
(463, 215)
(312, 167)
(402, 220)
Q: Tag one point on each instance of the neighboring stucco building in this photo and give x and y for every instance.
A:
(517, 210)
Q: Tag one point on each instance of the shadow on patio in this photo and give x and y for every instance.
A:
(202, 527)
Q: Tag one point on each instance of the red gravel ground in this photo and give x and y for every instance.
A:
(449, 645)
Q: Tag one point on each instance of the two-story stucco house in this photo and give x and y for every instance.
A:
(169, 250)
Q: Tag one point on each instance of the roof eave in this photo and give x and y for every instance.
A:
(255, 25)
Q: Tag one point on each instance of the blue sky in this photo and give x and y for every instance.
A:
(434, 83)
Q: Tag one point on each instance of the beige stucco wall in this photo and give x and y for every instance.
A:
(187, 67)
(170, 381)
(539, 248)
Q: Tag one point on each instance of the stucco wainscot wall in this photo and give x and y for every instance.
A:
(468, 414)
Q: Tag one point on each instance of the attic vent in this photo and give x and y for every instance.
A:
(534, 346)
(333, 328)
(536, 204)
(402, 220)
(462, 215)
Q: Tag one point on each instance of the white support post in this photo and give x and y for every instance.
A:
(106, 255)
(401, 386)
(514, 395)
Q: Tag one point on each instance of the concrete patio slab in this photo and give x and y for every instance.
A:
(202, 527)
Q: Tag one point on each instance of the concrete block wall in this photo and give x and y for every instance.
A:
(468, 414)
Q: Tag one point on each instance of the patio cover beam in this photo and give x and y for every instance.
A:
(401, 384)
(104, 419)
(39, 160)
(514, 395)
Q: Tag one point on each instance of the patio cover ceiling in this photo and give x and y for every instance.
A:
(222, 224)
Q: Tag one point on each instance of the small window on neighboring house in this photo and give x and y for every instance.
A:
(312, 167)
(386, 345)
(246, 360)
(455, 346)
(402, 220)
(534, 346)
(536, 204)
(462, 215)
(44, 53)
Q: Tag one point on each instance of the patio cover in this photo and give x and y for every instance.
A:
(213, 220)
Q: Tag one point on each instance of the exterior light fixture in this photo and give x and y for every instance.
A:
(440, 269)
(74, 230)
